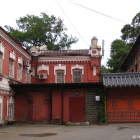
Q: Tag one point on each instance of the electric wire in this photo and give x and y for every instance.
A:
(97, 11)
(71, 23)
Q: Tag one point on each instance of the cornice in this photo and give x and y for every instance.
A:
(64, 59)
(14, 45)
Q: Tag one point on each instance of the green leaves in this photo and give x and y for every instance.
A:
(121, 47)
(44, 30)
(119, 50)
(131, 31)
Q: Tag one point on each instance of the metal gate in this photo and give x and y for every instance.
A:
(123, 105)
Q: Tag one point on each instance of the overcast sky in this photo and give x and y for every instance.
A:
(87, 22)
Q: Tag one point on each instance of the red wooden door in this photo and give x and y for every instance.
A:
(77, 109)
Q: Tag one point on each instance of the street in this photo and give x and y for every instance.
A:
(114, 131)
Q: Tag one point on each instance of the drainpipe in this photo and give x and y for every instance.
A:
(62, 101)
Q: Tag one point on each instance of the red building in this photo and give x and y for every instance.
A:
(12, 56)
(49, 86)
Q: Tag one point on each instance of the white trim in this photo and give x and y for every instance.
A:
(12, 55)
(2, 49)
(10, 100)
(13, 44)
(19, 76)
(43, 67)
(1, 101)
(13, 65)
(77, 67)
(20, 61)
(59, 67)
(1, 62)
(64, 59)
(94, 70)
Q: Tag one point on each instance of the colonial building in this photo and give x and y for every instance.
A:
(48, 86)
(12, 56)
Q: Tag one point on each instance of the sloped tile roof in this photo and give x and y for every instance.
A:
(121, 79)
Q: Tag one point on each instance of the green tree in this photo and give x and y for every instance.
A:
(119, 50)
(44, 30)
(104, 69)
(121, 47)
(131, 31)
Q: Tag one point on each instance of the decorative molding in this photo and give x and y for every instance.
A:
(14, 45)
(20, 61)
(5, 92)
(59, 67)
(77, 67)
(43, 67)
(2, 48)
(64, 59)
(12, 55)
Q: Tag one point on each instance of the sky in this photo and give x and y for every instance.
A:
(83, 18)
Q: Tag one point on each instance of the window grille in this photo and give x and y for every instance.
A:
(1, 60)
(19, 72)
(77, 76)
(60, 76)
(10, 111)
(11, 68)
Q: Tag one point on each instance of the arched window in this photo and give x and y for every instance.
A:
(77, 71)
(60, 72)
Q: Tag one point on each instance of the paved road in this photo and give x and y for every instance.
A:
(116, 131)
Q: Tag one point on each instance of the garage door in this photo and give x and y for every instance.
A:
(123, 105)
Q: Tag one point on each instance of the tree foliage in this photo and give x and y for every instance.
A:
(104, 69)
(44, 30)
(121, 47)
(131, 31)
(119, 50)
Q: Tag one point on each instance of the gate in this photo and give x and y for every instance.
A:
(123, 105)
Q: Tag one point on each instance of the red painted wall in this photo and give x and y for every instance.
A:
(41, 106)
(86, 77)
(5, 70)
(67, 94)
(57, 103)
(4, 108)
(21, 108)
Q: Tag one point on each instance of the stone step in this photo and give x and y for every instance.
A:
(77, 124)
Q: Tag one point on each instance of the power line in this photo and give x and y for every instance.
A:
(71, 23)
(96, 11)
